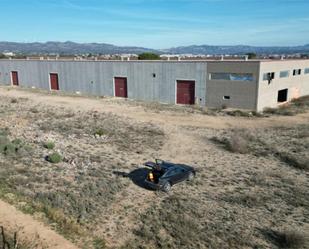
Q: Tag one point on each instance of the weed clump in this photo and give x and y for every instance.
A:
(14, 101)
(7, 241)
(294, 161)
(99, 243)
(250, 200)
(100, 132)
(247, 114)
(238, 142)
(290, 239)
(283, 111)
(296, 106)
(54, 158)
(49, 145)
(12, 148)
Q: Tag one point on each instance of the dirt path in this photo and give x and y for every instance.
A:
(29, 230)
(164, 118)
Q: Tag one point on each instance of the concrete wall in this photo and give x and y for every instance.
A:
(297, 85)
(243, 94)
(97, 77)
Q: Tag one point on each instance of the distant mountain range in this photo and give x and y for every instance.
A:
(239, 49)
(68, 47)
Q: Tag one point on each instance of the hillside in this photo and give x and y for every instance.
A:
(103, 48)
(68, 48)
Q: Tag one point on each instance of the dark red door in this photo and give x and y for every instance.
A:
(185, 92)
(54, 84)
(121, 89)
(15, 78)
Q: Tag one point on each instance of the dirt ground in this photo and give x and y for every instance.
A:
(242, 199)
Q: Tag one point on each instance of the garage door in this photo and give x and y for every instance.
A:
(121, 89)
(54, 84)
(185, 92)
(14, 75)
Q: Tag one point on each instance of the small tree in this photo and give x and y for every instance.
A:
(251, 55)
(148, 56)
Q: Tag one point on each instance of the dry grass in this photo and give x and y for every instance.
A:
(289, 239)
(181, 221)
(237, 142)
(287, 144)
(243, 188)
(74, 193)
(296, 106)
(11, 240)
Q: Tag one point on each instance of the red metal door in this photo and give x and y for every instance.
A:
(54, 84)
(185, 92)
(15, 78)
(121, 89)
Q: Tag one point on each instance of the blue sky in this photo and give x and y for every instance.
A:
(157, 23)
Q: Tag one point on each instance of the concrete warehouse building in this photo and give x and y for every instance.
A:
(253, 84)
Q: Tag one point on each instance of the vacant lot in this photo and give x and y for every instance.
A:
(62, 160)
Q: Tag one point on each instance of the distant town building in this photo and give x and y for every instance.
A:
(8, 54)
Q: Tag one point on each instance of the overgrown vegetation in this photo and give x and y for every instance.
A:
(292, 108)
(287, 144)
(290, 239)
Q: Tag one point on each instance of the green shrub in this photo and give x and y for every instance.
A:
(4, 132)
(148, 56)
(49, 145)
(3, 143)
(12, 148)
(251, 55)
(17, 141)
(100, 132)
(99, 243)
(54, 158)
